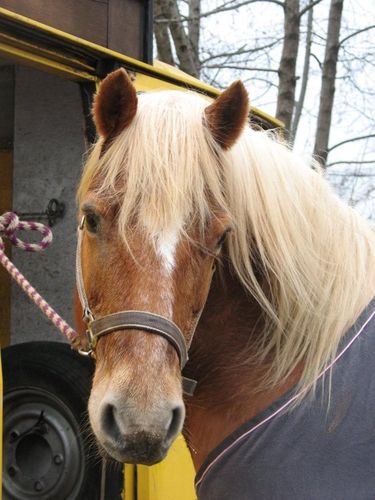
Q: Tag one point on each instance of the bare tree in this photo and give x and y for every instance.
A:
(194, 31)
(185, 32)
(305, 74)
(327, 92)
(169, 22)
(162, 37)
(288, 62)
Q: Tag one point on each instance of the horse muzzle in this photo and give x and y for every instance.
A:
(133, 434)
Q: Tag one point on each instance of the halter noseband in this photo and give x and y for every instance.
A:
(128, 320)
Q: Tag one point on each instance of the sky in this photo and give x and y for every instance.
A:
(354, 114)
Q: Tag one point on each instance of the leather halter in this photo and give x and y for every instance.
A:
(128, 320)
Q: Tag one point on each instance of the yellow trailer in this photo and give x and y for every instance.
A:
(27, 42)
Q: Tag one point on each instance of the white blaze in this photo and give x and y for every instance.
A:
(166, 248)
(166, 245)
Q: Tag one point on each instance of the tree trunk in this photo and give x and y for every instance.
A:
(161, 30)
(194, 31)
(305, 75)
(180, 38)
(328, 81)
(288, 61)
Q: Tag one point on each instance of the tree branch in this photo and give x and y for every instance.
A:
(242, 68)
(308, 7)
(356, 33)
(242, 50)
(354, 162)
(360, 138)
(223, 8)
(317, 60)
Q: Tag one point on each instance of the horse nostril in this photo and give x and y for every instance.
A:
(176, 422)
(109, 423)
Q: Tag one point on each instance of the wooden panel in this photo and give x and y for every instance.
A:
(5, 279)
(120, 25)
(6, 106)
(126, 25)
(84, 18)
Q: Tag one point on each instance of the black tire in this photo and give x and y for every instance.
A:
(48, 452)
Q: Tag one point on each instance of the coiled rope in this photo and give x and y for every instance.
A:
(9, 225)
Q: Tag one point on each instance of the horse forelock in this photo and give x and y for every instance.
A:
(160, 167)
(316, 255)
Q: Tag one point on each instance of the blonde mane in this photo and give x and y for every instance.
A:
(316, 254)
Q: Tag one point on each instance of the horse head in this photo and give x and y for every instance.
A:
(154, 224)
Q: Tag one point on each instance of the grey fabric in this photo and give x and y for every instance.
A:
(312, 452)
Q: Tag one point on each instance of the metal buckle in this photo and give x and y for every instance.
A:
(88, 318)
(89, 353)
(92, 338)
(91, 344)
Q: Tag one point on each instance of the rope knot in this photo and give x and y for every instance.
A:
(10, 223)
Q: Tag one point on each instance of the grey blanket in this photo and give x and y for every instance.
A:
(312, 452)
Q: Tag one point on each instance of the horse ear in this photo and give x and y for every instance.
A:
(115, 104)
(228, 114)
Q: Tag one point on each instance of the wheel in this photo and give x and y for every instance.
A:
(48, 451)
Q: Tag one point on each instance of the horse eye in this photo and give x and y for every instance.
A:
(92, 222)
(222, 238)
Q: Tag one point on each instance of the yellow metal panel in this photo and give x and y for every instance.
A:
(159, 71)
(171, 479)
(146, 83)
(129, 482)
(38, 61)
(165, 71)
(55, 55)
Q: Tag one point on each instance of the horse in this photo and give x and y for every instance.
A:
(178, 187)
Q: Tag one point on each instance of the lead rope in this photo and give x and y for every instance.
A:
(103, 479)
(9, 225)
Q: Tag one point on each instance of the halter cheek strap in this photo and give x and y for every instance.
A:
(126, 320)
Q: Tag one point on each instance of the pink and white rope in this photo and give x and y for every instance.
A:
(9, 224)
